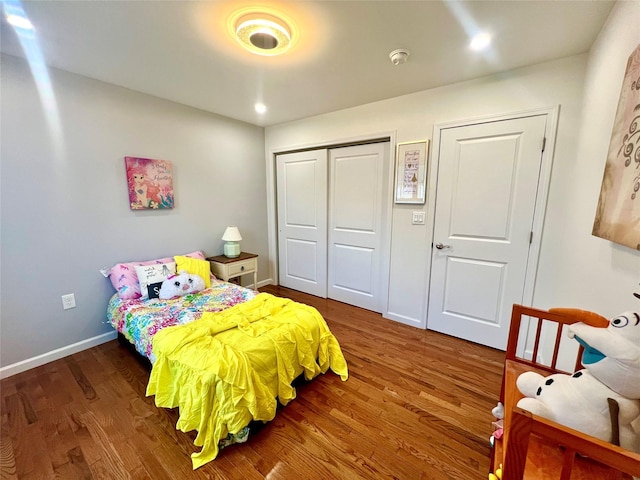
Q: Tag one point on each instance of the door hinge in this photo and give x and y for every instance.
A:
(544, 143)
(530, 238)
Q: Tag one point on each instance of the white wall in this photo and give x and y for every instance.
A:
(586, 271)
(562, 279)
(596, 274)
(65, 216)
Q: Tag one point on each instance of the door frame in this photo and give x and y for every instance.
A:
(544, 180)
(272, 212)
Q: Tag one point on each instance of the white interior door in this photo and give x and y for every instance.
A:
(358, 242)
(302, 221)
(486, 194)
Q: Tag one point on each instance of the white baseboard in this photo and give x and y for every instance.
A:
(413, 322)
(57, 354)
(263, 283)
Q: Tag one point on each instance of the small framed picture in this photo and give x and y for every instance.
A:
(411, 171)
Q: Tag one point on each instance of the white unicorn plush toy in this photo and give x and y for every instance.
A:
(181, 284)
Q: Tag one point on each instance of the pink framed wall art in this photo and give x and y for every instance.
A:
(150, 183)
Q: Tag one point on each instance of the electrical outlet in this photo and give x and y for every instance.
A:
(68, 301)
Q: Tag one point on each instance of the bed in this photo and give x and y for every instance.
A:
(534, 447)
(225, 356)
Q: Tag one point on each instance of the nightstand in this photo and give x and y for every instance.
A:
(226, 268)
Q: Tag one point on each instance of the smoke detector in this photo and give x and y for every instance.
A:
(399, 56)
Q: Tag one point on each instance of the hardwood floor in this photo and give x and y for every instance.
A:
(417, 405)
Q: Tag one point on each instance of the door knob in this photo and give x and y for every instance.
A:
(440, 246)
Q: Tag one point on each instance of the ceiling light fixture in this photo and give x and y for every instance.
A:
(480, 42)
(260, 108)
(263, 34)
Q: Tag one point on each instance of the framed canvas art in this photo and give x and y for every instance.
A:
(618, 214)
(150, 183)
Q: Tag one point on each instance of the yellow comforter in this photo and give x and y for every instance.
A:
(228, 368)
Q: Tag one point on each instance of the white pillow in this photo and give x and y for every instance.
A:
(150, 275)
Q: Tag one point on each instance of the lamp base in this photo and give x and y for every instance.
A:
(231, 249)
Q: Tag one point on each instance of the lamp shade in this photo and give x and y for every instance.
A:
(231, 234)
(231, 237)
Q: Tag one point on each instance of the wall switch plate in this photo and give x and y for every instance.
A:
(418, 218)
(68, 301)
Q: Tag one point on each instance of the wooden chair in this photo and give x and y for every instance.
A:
(536, 448)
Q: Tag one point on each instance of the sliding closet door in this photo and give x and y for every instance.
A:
(358, 225)
(302, 221)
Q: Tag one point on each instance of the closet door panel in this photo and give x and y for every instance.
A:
(302, 221)
(357, 192)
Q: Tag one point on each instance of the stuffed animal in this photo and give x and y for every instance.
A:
(181, 284)
(498, 411)
(580, 401)
(603, 400)
(612, 355)
(497, 475)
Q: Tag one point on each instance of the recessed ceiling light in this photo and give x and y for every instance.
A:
(260, 108)
(480, 41)
(19, 21)
(263, 34)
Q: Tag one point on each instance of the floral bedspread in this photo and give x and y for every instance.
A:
(140, 320)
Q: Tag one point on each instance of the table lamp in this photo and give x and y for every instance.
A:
(232, 238)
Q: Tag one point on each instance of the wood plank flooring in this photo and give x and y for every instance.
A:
(417, 405)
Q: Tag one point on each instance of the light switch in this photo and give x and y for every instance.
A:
(418, 218)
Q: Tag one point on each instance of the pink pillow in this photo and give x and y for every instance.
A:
(125, 281)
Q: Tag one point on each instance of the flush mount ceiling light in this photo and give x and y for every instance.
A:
(263, 34)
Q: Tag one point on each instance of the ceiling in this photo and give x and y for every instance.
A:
(183, 51)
